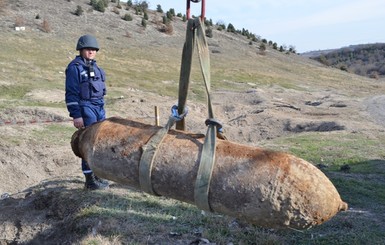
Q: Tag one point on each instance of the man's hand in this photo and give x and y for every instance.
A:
(78, 122)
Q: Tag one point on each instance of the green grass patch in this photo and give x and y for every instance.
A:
(14, 92)
(333, 148)
(55, 133)
(362, 191)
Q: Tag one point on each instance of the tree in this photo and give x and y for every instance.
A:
(292, 49)
(169, 15)
(231, 28)
(159, 9)
(172, 11)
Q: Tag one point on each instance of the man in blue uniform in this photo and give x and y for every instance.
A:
(85, 89)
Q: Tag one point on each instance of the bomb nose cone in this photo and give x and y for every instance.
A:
(343, 206)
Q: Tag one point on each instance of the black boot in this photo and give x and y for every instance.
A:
(92, 183)
(102, 181)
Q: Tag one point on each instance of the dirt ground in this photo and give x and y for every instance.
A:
(33, 172)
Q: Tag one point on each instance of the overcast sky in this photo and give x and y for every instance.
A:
(305, 24)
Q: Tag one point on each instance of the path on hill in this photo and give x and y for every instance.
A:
(376, 108)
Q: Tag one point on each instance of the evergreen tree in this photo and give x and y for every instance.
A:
(159, 9)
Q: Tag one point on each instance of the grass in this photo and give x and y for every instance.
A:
(138, 218)
(333, 148)
(58, 134)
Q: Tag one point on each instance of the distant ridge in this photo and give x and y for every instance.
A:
(361, 59)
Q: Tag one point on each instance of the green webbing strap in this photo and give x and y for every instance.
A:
(185, 69)
(207, 160)
(148, 156)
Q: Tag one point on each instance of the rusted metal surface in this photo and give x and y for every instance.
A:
(259, 186)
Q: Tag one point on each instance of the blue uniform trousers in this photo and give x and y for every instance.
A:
(92, 112)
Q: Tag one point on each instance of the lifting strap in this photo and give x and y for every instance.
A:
(185, 69)
(147, 160)
(150, 149)
(207, 157)
(207, 160)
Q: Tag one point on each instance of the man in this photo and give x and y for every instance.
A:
(85, 89)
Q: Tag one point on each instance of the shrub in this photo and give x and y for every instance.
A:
(145, 16)
(100, 7)
(169, 28)
(138, 10)
(221, 26)
(79, 10)
(166, 28)
(209, 32)
(144, 22)
(323, 60)
(127, 17)
(262, 47)
(165, 20)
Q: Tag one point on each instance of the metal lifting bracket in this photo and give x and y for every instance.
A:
(203, 8)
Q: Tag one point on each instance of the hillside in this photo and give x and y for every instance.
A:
(285, 102)
(364, 60)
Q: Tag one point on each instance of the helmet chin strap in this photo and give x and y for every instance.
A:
(90, 65)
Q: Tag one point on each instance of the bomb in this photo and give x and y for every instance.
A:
(259, 186)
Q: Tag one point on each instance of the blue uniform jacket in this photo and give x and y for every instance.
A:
(82, 86)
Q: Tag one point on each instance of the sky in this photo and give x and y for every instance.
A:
(307, 25)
